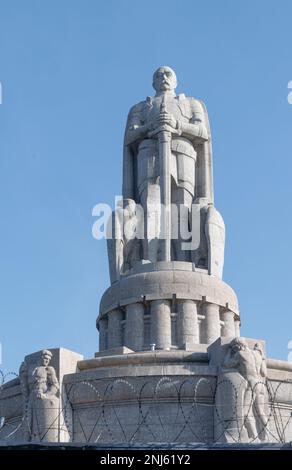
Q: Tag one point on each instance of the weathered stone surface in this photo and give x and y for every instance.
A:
(167, 161)
(36, 408)
(185, 285)
(169, 395)
(172, 367)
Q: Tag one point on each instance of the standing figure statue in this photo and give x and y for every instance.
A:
(40, 388)
(168, 174)
(251, 365)
(168, 161)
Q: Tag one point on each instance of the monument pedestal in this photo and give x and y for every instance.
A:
(171, 305)
(175, 396)
(171, 366)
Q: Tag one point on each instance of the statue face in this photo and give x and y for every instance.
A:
(258, 347)
(164, 79)
(238, 345)
(46, 360)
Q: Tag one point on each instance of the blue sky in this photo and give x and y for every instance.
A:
(70, 70)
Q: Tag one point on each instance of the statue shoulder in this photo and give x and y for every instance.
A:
(194, 106)
(139, 107)
(198, 106)
(52, 376)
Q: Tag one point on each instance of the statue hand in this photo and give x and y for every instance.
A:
(168, 119)
(163, 128)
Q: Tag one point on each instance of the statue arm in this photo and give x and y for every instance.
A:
(135, 129)
(196, 128)
(135, 133)
(53, 384)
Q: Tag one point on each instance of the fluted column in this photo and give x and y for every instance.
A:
(115, 336)
(134, 334)
(237, 328)
(160, 324)
(187, 323)
(102, 328)
(211, 322)
(229, 327)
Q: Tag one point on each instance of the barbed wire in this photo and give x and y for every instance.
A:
(165, 409)
(3, 380)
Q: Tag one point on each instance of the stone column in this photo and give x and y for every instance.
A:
(160, 323)
(187, 324)
(114, 334)
(102, 328)
(211, 322)
(237, 328)
(229, 327)
(134, 334)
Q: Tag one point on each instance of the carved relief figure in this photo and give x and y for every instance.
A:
(251, 365)
(124, 246)
(40, 389)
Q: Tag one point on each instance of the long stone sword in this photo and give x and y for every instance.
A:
(164, 141)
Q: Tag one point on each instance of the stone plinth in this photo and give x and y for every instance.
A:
(172, 305)
(157, 396)
(52, 416)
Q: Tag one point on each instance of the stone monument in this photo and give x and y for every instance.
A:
(171, 366)
(40, 389)
(167, 290)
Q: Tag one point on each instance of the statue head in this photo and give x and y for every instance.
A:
(258, 347)
(164, 79)
(238, 344)
(46, 357)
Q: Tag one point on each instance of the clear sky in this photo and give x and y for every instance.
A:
(70, 70)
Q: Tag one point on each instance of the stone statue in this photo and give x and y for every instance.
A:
(168, 163)
(251, 365)
(124, 248)
(215, 235)
(40, 390)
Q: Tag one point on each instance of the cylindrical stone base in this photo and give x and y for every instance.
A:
(115, 333)
(237, 328)
(187, 324)
(229, 327)
(211, 322)
(134, 334)
(102, 327)
(160, 324)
